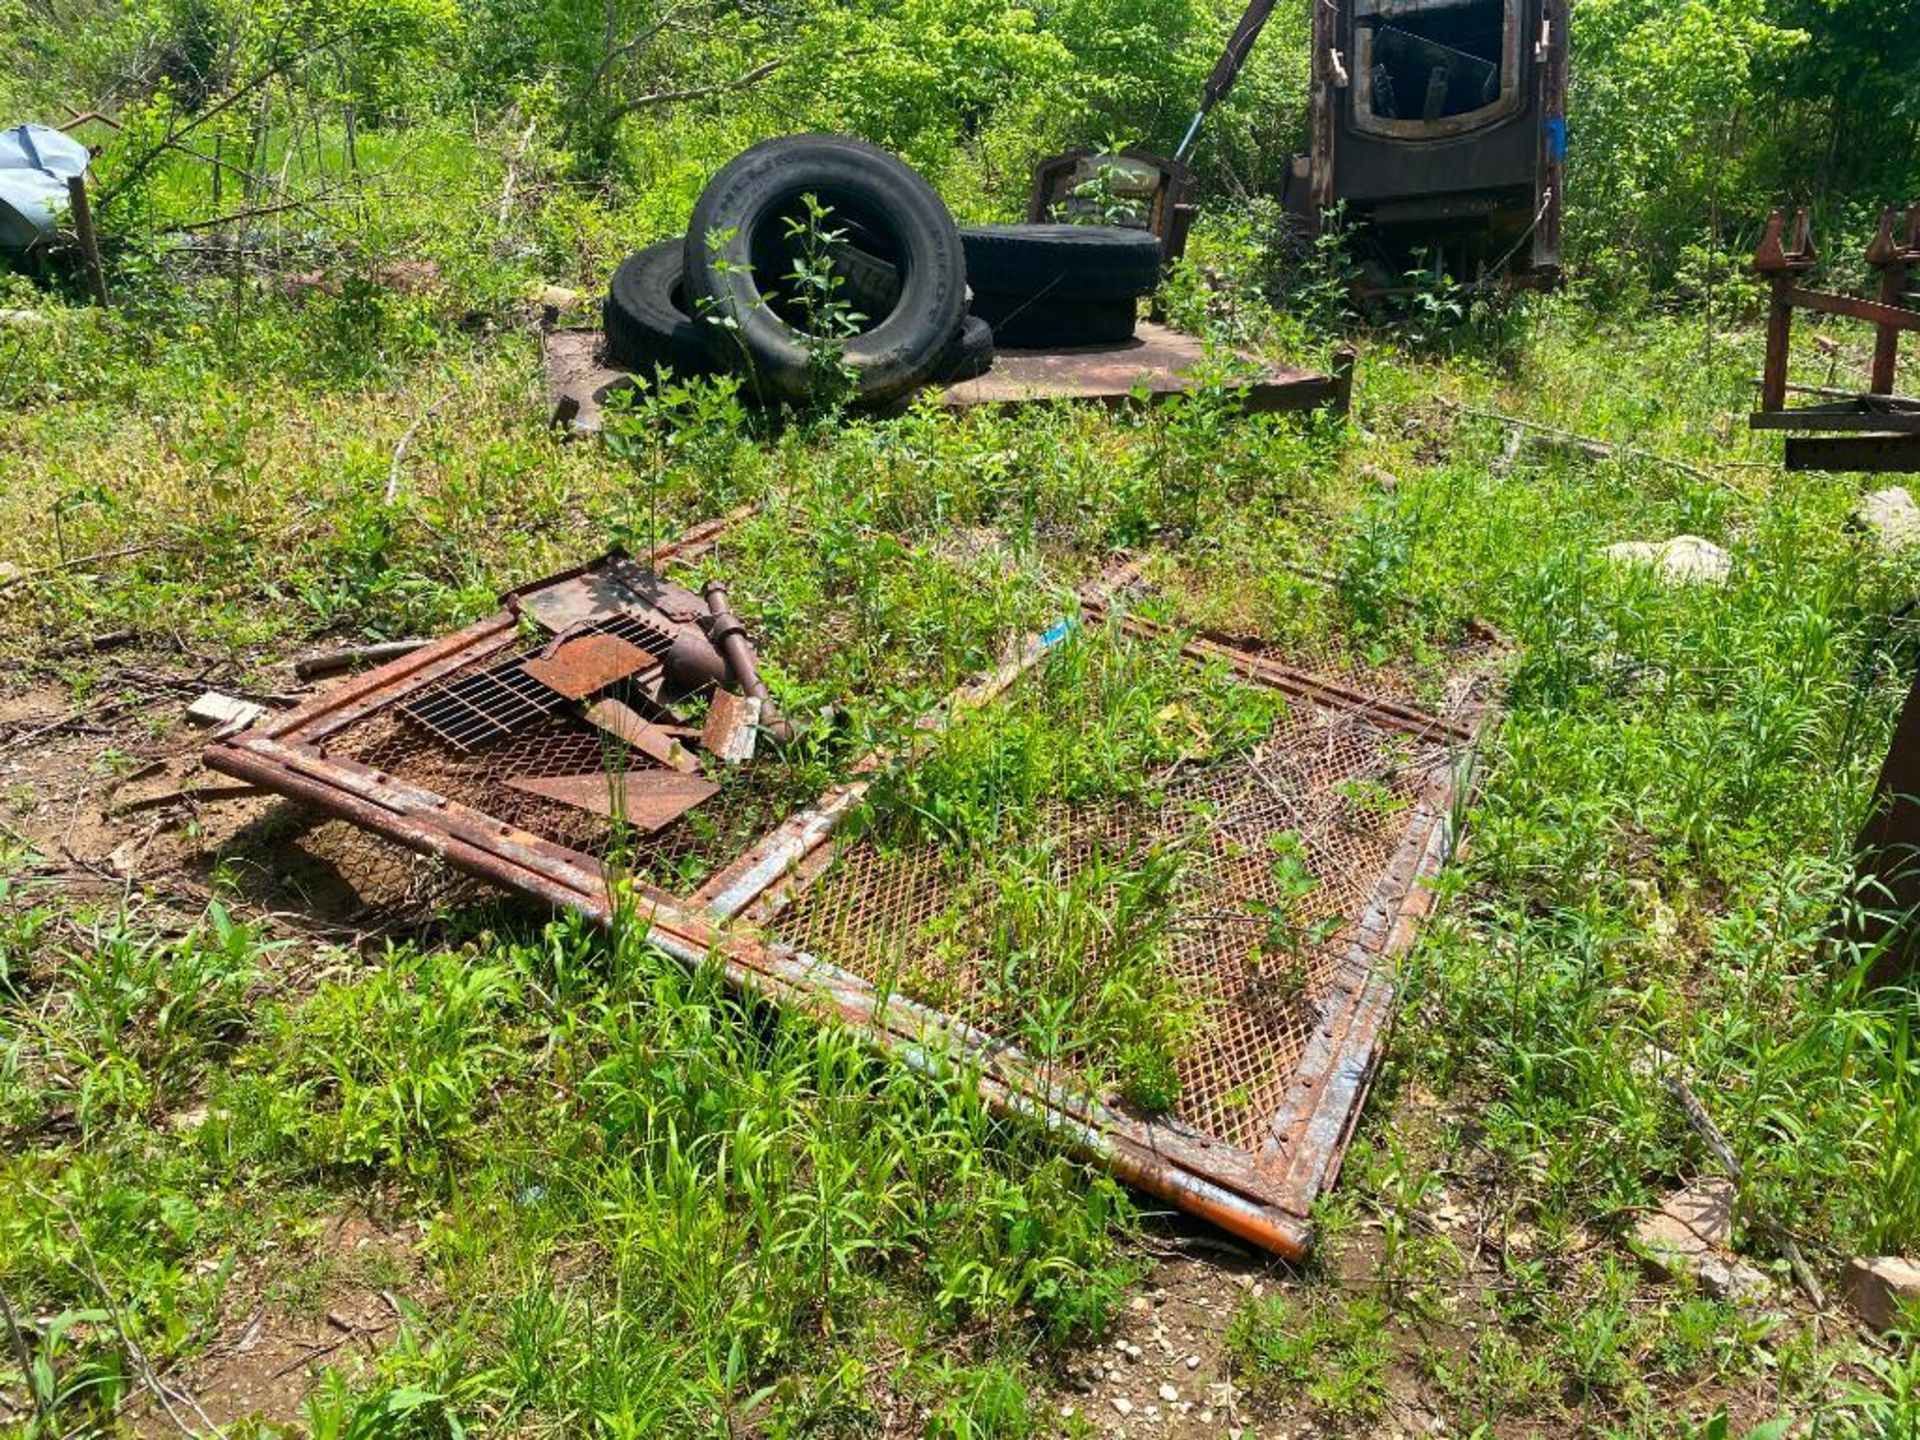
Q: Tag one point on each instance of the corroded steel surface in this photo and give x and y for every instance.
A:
(1274, 1075)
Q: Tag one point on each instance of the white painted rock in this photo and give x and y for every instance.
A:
(1890, 517)
(1683, 560)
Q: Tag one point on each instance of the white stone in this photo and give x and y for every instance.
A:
(1169, 1394)
(1123, 1404)
(1193, 1362)
(1891, 518)
(213, 708)
(1683, 560)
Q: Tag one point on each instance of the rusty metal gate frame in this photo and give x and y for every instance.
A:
(1265, 1198)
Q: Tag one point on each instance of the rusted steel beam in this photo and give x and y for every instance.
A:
(260, 766)
(1308, 1133)
(1890, 258)
(1895, 317)
(1845, 453)
(1300, 683)
(1779, 263)
(1880, 422)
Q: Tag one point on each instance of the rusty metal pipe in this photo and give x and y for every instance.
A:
(730, 637)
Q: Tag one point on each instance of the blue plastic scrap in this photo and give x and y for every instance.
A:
(36, 162)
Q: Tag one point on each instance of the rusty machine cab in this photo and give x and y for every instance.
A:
(1438, 125)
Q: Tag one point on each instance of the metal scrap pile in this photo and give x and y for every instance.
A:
(627, 649)
(821, 244)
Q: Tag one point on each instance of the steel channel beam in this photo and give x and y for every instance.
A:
(1841, 453)
(1300, 683)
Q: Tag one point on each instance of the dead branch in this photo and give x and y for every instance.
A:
(24, 1358)
(1599, 449)
(326, 662)
(136, 1356)
(406, 441)
(698, 92)
(74, 564)
(617, 53)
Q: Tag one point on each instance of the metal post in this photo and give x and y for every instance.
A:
(89, 243)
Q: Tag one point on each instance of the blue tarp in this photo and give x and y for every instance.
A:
(35, 164)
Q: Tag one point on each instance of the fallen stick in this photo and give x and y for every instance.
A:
(406, 441)
(1702, 1122)
(326, 662)
(74, 564)
(1587, 444)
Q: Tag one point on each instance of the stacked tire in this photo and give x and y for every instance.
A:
(716, 301)
(1055, 286)
(913, 300)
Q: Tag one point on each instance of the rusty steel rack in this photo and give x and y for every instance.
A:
(1877, 429)
(1272, 1083)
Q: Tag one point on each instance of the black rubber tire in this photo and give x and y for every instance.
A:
(969, 354)
(1062, 262)
(645, 317)
(1021, 323)
(871, 189)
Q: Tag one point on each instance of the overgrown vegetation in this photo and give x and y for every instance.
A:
(612, 1196)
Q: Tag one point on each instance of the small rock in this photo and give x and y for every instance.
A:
(558, 296)
(1193, 1362)
(1683, 560)
(1140, 1305)
(1122, 1404)
(1133, 1351)
(229, 714)
(1066, 1412)
(1206, 1417)
(1688, 1235)
(1689, 560)
(1706, 1208)
(1891, 518)
(1879, 1287)
(1169, 1394)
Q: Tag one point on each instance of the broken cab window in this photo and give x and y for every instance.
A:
(1434, 66)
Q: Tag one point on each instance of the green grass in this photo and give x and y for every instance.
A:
(644, 1205)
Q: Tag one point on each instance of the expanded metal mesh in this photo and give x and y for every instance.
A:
(751, 797)
(1332, 790)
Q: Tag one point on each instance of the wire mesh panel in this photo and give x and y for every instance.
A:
(1281, 850)
(1288, 864)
